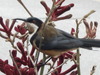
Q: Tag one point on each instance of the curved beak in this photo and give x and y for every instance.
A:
(28, 26)
(20, 19)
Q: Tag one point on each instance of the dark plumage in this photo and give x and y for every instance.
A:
(55, 41)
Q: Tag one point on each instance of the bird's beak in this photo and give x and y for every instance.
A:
(28, 26)
(20, 19)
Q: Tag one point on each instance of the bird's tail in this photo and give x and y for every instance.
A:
(88, 43)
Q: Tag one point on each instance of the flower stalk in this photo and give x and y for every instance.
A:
(20, 1)
(28, 63)
(77, 33)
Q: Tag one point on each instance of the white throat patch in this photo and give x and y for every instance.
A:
(32, 28)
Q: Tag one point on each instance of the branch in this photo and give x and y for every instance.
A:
(1, 35)
(42, 68)
(20, 1)
(15, 63)
(87, 15)
(77, 32)
(33, 63)
(54, 6)
(50, 13)
(57, 67)
(12, 43)
(51, 67)
(93, 70)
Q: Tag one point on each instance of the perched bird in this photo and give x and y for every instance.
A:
(54, 41)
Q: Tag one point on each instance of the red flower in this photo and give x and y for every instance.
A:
(21, 29)
(31, 72)
(58, 11)
(6, 27)
(24, 70)
(20, 46)
(61, 60)
(14, 53)
(2, 64)
(90, 29)
(73, 73)
(8, 70)
(69, 70)
(72, 31)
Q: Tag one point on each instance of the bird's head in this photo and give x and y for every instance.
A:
(32, 24)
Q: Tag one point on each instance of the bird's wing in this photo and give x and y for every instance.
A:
(61, 41)
(67, 35)
(61, 44)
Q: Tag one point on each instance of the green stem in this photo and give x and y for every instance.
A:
(78, 52)
(42, 68)
(77, 32)
(15, 62)
(78, 61)
(20, 1)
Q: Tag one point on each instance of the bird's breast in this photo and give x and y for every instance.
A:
(55, 53)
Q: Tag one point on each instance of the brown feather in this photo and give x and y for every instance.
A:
(48, 32)
(55, 53)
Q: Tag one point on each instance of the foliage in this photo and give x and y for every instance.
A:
(25, 65)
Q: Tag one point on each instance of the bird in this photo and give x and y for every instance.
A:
(53, 41)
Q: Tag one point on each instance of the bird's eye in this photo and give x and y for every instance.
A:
(33, 21)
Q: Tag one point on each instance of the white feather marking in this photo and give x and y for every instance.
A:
(31, 28)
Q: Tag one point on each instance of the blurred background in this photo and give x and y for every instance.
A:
(10, 9)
